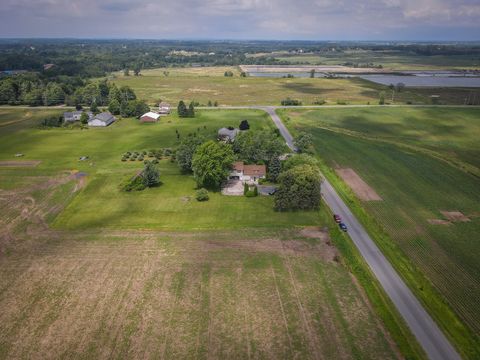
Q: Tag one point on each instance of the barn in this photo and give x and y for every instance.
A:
(149, 117)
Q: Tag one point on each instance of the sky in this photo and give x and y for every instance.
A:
(243, 19)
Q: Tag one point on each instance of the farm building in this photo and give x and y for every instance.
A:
(247, 173)
(164, 108)
(227, 135)
(72, 116)
(102, 119)
(149, 117)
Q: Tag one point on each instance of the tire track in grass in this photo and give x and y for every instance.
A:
(177, 287)
(282, 309)
(306, 324)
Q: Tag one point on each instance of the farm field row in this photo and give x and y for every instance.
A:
(420, 194)
(209, 84)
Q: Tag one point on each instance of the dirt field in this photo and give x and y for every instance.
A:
(147, 294)
(359, 187)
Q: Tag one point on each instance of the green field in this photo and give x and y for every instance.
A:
(169, 206)
(391, 59)
(420, 162)
(110, 278)
(208, 84)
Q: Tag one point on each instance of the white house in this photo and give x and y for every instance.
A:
(247, 173)
(164, 108)
(149, 117)
(72, 116)
(102, 119)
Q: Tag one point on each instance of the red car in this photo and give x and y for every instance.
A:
(337, 218)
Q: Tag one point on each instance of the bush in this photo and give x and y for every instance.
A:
(124, 159)
(155, 161)
(245, 189)
(132, 159)
(291, 102)
(202, 195)
(144, 153)
(133, 184)
(319, 102)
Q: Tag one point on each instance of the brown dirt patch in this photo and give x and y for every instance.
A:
(438, 222)
(315, 232)
(356, 183)
(26, 163)
(455, 216)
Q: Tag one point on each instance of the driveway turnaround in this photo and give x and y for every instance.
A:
(428, 334)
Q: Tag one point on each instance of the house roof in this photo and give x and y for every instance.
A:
(152, 115)
(224, 132)
(255, 170)
(70, 114)
(104, 116)
(238, 166)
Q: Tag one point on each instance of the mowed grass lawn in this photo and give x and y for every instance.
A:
(170, 206)
(414, 185)
(204, 84)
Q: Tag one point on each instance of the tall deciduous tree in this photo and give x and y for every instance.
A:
(212, 163)
(299, 189)
(186, 150)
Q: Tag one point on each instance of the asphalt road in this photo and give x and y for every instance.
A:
(428, 334)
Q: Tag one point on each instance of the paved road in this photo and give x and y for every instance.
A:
(421, 324)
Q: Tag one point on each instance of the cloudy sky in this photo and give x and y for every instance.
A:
(243, 19)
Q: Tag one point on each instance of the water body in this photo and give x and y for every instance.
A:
(425, 81)
(413, 79)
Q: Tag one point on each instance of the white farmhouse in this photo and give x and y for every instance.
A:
(164, 108)
(247, 173)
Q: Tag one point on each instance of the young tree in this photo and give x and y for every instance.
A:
(126, 72)
(84, 118)
(186, 150)
(303, 142)
(274, 169)
(151, 175)
(243, 74)
(244, 125)
(212, 163)
(312, 73)
(299, 189)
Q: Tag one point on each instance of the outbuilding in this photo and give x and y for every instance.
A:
(164, 108)
(149, 117)
(102, 119)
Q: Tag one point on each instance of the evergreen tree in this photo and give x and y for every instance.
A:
(182, 109)
(274, 169)
(191, 110)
